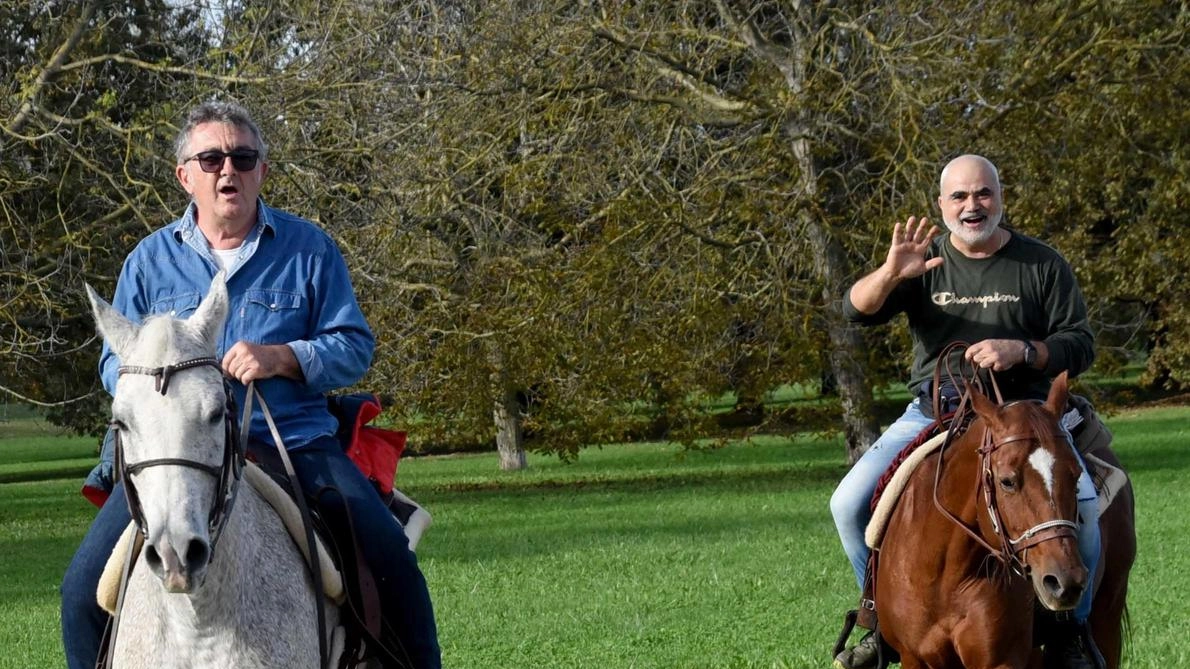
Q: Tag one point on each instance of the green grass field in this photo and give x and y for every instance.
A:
(640, 555)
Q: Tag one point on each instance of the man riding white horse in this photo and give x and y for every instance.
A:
(295, 329)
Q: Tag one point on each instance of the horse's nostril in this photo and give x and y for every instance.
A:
(152, 557)
(197, 555)
(1053, 585)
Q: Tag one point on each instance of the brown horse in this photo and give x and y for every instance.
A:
(984, 530)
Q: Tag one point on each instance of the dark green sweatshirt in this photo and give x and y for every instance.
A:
(1026, 290)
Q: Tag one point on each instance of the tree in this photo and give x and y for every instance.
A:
(573, 223)
(1091, 148)
(80, 180)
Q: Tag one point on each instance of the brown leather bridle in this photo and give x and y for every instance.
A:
(1011, 551)
(227, 474)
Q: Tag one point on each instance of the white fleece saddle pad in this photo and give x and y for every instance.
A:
(332, 581)
(1109, 480)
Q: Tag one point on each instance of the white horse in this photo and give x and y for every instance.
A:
(210, 589)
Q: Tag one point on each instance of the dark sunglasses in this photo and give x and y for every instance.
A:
(244, 160)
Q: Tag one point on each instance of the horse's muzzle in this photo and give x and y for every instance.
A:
(178, 575)
(1059, 589)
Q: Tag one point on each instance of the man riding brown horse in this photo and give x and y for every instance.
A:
(1012, 295)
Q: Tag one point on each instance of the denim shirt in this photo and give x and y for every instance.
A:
(288, 285)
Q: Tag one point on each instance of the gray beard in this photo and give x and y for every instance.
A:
(973, 237)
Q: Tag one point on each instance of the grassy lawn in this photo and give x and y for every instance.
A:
(639, 555)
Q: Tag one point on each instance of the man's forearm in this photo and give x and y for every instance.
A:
(869, 293)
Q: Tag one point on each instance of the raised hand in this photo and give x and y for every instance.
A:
(907, 253)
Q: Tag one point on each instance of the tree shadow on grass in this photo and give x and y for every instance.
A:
(1169, 457)
(685, 509)
(791, 475)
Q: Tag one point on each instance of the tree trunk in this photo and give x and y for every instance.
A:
(831, 265)
(860, 428)
(510, 438)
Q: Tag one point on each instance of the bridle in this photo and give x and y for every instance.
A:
(228, 473)
(1012, 552)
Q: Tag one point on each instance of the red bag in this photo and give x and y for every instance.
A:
(374, 450)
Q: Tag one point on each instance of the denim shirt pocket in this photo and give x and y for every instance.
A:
(178, 306)
(273, 316)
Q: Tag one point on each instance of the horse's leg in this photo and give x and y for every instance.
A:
(1107, 618)
(996, 640)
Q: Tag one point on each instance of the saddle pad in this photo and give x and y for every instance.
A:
(332, 580)
(1109, 480)
(108, 592)
(892, 492)
(286, 508)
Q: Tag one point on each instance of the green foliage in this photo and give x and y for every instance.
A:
(601, 205)
(1090, 149)
(79, 177)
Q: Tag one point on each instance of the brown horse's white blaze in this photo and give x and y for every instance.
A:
(1042, 462)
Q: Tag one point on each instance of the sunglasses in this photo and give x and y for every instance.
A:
(244, 160)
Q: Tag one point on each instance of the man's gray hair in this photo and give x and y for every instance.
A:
(217, 111)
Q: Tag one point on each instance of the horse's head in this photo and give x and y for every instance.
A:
(1030, 485)
(169, 413)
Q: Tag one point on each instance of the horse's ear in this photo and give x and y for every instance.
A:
(117, 330)
(983, 406)
(212, 311)
(1059, 392)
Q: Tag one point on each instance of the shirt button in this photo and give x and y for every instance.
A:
(273, 305)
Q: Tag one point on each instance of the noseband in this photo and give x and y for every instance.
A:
(227, 474)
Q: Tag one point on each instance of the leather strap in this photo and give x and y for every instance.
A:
(303, 509)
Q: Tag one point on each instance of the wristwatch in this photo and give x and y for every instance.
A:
(1030, 353)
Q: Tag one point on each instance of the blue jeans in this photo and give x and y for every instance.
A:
(851, 501)
(318, 464)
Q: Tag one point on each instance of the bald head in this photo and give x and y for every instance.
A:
(967, 162)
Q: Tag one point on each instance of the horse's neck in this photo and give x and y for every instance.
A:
(252, 548)
(959, 490)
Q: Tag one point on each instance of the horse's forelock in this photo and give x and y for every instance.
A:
(164, 339)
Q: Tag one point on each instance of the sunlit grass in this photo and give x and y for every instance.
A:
(642, 555)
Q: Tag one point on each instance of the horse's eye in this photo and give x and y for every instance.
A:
(1008, 483)
(216, 417)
